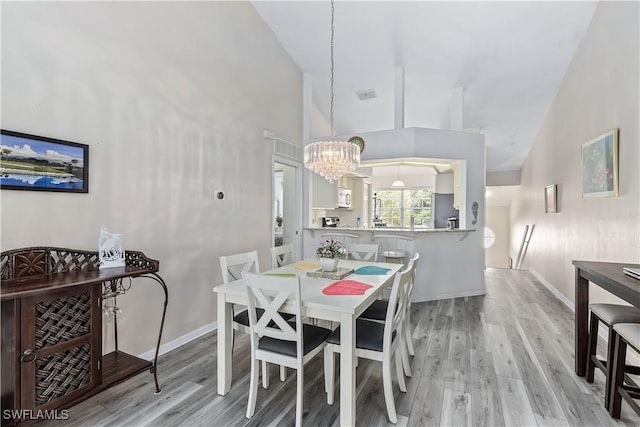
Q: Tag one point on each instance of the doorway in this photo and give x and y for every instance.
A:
(286, 210)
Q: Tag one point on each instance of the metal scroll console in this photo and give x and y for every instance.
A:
(52, 305)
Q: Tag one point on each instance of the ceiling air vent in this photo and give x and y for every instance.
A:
(363, 95)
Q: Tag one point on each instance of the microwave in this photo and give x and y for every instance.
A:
(344, 198)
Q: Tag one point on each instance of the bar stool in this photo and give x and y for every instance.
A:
(609, 314)
(394, 248)
(625, 335)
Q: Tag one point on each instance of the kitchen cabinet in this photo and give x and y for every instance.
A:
(325, 193)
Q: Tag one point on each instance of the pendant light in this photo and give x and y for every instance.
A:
(332, 159)
(398, 183)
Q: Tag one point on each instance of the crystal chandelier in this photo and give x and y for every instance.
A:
(332, 159)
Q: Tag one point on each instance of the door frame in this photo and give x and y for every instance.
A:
(297, 220)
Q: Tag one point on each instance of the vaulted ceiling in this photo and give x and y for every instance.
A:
(509, 58)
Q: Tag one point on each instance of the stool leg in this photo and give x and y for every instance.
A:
(610, 356)
(593, 344)
(618, 362)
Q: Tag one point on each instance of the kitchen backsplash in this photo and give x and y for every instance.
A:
(348, 218)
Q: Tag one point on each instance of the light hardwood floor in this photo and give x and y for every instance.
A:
(503, 359)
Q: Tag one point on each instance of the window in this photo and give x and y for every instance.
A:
(489, 237)
(397, 207)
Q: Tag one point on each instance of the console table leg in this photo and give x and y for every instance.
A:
(158, 279)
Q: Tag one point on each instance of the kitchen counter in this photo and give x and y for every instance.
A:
(390, 229)
(451, 261)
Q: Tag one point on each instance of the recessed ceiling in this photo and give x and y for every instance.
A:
(510, 58)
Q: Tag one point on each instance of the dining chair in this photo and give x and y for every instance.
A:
(393, 247)
(377, 341)
(625, 335)
(232, 267)
(281, 255)
(344, 238)
(377, 311)
(274, 339)
(364, 251)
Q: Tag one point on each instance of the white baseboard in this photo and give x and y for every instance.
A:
(180, 341)
(602, 332)
(553, 290)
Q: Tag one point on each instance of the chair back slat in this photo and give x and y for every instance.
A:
(394, 243)
(364, 251)
(397, 303)
(281, 255)
(232, 266)
(414, 262)
(271, 293)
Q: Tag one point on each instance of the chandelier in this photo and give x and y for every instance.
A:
(332, 159)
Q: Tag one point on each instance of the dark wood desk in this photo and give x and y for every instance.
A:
(608, 276)
(52, 309)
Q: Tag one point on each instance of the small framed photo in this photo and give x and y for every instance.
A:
(600, 166)
(551, 198)
(30, 162)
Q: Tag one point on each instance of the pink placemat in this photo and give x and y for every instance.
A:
(346, 287)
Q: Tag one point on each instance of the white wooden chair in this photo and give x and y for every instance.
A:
(273, 338)
(394, 248)
(377, 341)
(377, 311)
(364, 251)
(344, 238)
(281, 255)
(232, 267)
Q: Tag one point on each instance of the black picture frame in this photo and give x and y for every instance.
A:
(38, 163)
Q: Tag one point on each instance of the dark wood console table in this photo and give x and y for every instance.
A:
(51, 304)
(608, 276)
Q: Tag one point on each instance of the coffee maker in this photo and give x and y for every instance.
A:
(452, 222)
(330, 221)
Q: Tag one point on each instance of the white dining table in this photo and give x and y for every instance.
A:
(343, 309)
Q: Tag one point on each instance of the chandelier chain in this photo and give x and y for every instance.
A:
(332, 69)
(332, 159)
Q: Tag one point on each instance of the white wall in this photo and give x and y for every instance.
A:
(599, 92)
(172, 98)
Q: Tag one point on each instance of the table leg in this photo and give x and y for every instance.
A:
(225, 344)
(581, 323)
(347, 370)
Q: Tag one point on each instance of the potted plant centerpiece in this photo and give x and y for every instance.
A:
(329, 253)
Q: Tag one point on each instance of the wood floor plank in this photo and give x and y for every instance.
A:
(456, 408)
(502, 353)
(515, 402)
(541, 396)
(486, 406)
(459, 366)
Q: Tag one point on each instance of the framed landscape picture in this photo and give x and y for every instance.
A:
(30, 162)
(600, 166)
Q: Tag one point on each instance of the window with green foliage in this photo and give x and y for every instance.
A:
(397, 207)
